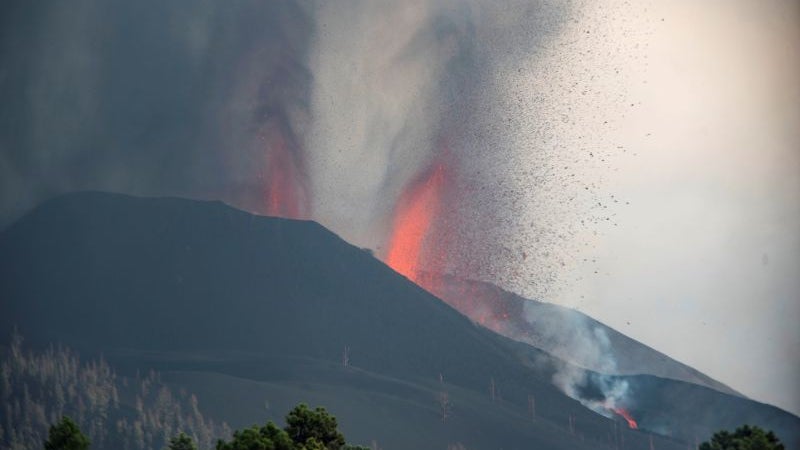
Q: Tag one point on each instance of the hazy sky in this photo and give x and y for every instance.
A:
(704, 264)
(637, 160)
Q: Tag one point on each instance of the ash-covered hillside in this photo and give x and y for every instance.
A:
(254, 314)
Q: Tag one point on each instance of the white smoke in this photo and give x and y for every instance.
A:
(580, 345)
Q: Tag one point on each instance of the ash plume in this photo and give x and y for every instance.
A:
(300, 109)
(149, 98)
(378, 110)
(319, 110)
(400, 88)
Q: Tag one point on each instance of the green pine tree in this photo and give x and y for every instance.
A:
(182, 442)
(303, 424)
(268, 437)
(744, 438)
(66, 435)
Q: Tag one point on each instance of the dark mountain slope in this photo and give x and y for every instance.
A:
(104, 272)
(107, 273)
(252, 311)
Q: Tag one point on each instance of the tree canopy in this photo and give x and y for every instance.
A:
(65, 435)
(182, 442)
(306, 426)
(267, 437)
(746, 437)
(306, 429)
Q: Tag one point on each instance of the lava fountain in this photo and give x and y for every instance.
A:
(414, 217)
(417, 248)
(285, 194)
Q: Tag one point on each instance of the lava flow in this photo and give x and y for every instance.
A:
(413, 219)
(285, 194)
(627, 416)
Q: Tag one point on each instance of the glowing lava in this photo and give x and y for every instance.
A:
(627, 416)
(285, 194)
(414, 215)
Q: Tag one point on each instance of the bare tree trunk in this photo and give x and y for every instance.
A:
(444, 405)
(532, 407)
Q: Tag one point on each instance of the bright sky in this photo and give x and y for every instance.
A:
(704, 264)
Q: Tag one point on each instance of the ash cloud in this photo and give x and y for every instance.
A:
(398, 87)
(205, 100)
(378, 105)
(147, 98)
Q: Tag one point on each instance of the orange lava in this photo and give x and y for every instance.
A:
(627, 416)
(413, 220)
(285, 194)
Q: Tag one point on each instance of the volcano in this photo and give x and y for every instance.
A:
(253, 314)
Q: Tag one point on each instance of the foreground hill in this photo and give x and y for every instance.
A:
(254, 314)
